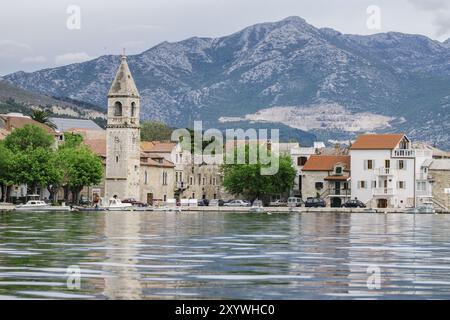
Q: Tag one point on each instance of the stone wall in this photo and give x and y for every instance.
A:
(441, 181)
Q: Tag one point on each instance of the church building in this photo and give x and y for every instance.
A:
(129, 173)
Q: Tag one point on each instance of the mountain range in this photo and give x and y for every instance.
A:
(316, 83)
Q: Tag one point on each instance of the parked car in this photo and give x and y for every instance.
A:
(203, 202)
(295, 202)
(238, 203)
(278, 203)
(315, 203)
(216, 203)
(134, 202)
(354, 204)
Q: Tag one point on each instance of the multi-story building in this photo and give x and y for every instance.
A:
(327, 177)
(300, 156)
(388, 172)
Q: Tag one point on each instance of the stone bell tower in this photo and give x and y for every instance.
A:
(123, 137)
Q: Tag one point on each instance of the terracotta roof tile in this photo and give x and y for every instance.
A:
(98, 146)
(325, 163)
(157, 146)
(156, 162)
(377, 141)
(16, 122)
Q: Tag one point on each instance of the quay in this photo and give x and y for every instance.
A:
(4, 207)
(303, 210)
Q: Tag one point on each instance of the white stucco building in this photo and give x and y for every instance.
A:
(387, 171)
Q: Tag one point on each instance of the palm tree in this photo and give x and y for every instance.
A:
(43, 117)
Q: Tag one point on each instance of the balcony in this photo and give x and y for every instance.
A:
(384, 171)
(411, 153)
(384, 192)
(424, 193)
(423, 177)
(122, 120)
(332, 192)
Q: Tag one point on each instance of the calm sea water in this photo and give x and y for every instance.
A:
(224, 255)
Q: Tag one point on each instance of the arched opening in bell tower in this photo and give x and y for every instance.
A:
(117, 109)
(133, 109)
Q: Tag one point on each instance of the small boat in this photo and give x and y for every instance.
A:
(423, 208)
(115, 204)
(41, 206)
(257, 207)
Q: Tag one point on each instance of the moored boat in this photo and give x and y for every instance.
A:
(423, 208)
(257, 207)
(40, 206)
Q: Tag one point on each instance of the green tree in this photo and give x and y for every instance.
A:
(5, 171)
(155, 131)
(82, 168)
(43, 117)
(33, 167)
(28, 137)
(246, 179)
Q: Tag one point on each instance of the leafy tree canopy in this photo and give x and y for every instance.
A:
(155, 131)
(43, 117)
(246, 179)
(28, 137)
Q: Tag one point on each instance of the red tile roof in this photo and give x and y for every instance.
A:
(157, 146)
(156, 162)
(98, 146)
(325, 163)
(16, 122)
(377, 141)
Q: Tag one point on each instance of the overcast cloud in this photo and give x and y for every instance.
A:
(34, 33)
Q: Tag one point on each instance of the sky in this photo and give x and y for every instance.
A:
(37, 34)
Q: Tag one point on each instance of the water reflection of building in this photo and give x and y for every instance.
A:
(122, 239)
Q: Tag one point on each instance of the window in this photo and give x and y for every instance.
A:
(164, 178)
(117, 109)
(421, 186)
(362, 184)
(199, 179)
(401, 164)
(368, 164)
(133, 109)
(319, 185)
(387, 163)
(214, 181)
(191, 181)
(117, 159)
(346, 186)
(401, 184)
(374, 184)
(338, 170)
(146, 177)
(204, 181)
(301, 161)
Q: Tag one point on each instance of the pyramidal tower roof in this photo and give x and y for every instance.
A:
(123, 84)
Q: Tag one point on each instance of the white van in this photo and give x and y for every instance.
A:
(295, 202)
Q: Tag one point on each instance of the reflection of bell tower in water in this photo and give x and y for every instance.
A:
(123, 136)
